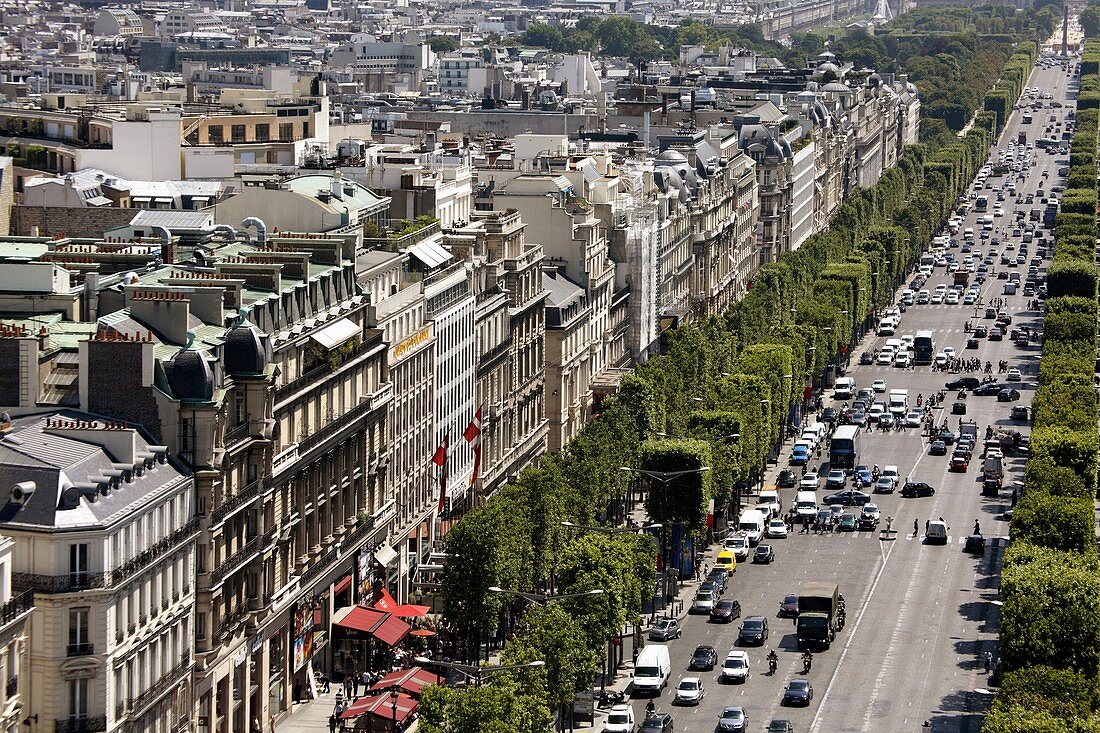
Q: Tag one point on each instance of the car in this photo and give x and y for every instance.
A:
(836, 479)
(735, 667)
(738, 543)
(980, 332)
(828, 415)
(754, 631)
(866, 358)
(690, 691)
(937, 297)
(1008, 395)
(788, 607)
(780, 726)
(725, 610)
(787, 479)
(858, 417)
(707, 585)
(963, 383)
(776, 530)
(996, 334)
(848, 497)
(847, 522)
(959, 464)
(989, 389)
(1019, 412)
(879, 385)
(958, 408)
(861, 476)
(964, 450)
(885, 485)
(877, 411)
(923, 297)
(800, 455)
(809, 482)
(704, 601)
(798, 692)
(620, 719)
(666, 629)
(885, 358)
(657, 723)
(975, 544)
(914, 418)
(902, 360)
(733, 720)
(935, 532)
(869, 516)
(704, 657)
(937, 448)
(914, 489)
(1014, 375)
(763, 554)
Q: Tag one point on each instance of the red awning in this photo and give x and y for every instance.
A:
(381, 625)
(342, 586)
(382, 706)
(412, 681)
(383, 601)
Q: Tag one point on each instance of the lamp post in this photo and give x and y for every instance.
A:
(473, 672)
(393, 708)
(610, 530)
(545, 598)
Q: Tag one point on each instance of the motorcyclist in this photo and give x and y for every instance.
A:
(650, 709)
(807, 660)
(773, 661)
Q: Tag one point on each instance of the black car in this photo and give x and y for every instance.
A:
(996, 334)
(946, 436)
(725, 611)
(975, 543)
(788, 608)
(798, 692)
(704, 657)
(787, 479)
(866, 358)
(657, 723)
(780, 726)
(913, 489)
(763, 554)
(989, 389)
(848, 497)
(828, 415)
(1008, 395)
(963, 383)
(718, 577)
(980, 332)
(858, 417)
(1019, 412)
(754, 630)
(958, 408)
(938, 448)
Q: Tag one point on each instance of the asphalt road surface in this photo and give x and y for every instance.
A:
(920, 617)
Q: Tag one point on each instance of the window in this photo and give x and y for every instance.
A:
(286, 131)
(237, 133)
(79, 639)
(214, 133)
(78, 563)
(78, 698)
(263, 132)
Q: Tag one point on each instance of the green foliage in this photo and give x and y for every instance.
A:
(1075, 449)
(550, 634)
(502, 707)
(1071, 277)
(1090, 21)
(1018, 719)
(442, 44)
(1057, 522)
(678, 499)
(1062, 693)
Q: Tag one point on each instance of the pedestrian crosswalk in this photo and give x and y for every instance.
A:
(896, 535)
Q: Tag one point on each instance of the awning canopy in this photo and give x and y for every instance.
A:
(430, 252)
(384, 706)
(412, 681)
(383, 626)
(385, 555)
(336, 333)
(383, 601)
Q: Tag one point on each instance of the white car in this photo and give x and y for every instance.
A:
(908, 340)
(879, 385)
(620, 720)
(902, 359)
(809, 482)
(952, 298)
(913, 418)
(703, 603)
(1014, 375)
(949, 351)
(777, 529)
(739, 543)
(736, 666)
(872, 510)
(941, 359)
(877, 411)
(937, 297)
(885, 358)
(690, 691)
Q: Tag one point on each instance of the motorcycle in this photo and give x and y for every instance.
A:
(807, 662)
(773, 665)
(610, 699)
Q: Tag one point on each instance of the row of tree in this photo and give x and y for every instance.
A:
(1050, 587)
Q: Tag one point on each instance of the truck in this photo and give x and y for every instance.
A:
(899, 401)
(961, 277)
(968, 429)
(819, 611)
(993, 467)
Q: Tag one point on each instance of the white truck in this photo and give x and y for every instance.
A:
(899, 401)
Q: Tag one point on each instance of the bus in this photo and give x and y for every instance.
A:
(923, 347)
(844, 447)
(981, 203)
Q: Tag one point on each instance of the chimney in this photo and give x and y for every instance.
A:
(337, 185)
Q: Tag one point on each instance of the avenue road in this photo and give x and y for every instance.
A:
(920, 617)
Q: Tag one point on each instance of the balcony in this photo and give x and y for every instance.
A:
(337, 359)
(69, 583)
(16, 607)
(334, 427)
(229, 622)
(236, 501)
(93, 724)
(362, 530)
(404, 239)
(237, 435)
(79, 650)
(152, 554)
(235, 561)
(161, 686)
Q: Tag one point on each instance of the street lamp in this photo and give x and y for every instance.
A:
(393, 708)
(545, 598)
(474, 672)
(664, 476)
(609, 530)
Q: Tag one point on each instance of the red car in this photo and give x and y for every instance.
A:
(959, 464)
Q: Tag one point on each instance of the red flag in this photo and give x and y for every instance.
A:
(473, 437)
(440, 459)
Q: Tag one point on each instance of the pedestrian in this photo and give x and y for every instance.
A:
(987, 659)
(297, 691)
(367, 678)
(1014, 497)
(926, 523)
(340, 697)
(346, 692)
(977, 527)
(916, 528)
(333, 721)
(354, 684)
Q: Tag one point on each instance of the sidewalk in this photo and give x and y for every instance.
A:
(312, 716)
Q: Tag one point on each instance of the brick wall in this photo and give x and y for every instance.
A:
(72, 220)
(114, 384)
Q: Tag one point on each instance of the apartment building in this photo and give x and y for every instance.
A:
(103, 532)
(15, 611)
(421, 180)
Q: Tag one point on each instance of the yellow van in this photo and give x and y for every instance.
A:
(726, 559)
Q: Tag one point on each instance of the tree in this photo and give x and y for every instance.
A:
(681, 499)
(550, 634)
(498, 707)
(1057, 522)
(1060, 692)
(544, 35)
(1090, 21)
(442, 44)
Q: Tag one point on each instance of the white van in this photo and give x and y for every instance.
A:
(805, 504)
(936, 533)
(652, 670)
(844, 389)
(813, 432)
(887, 326)
(752, 523)
(771, 498)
